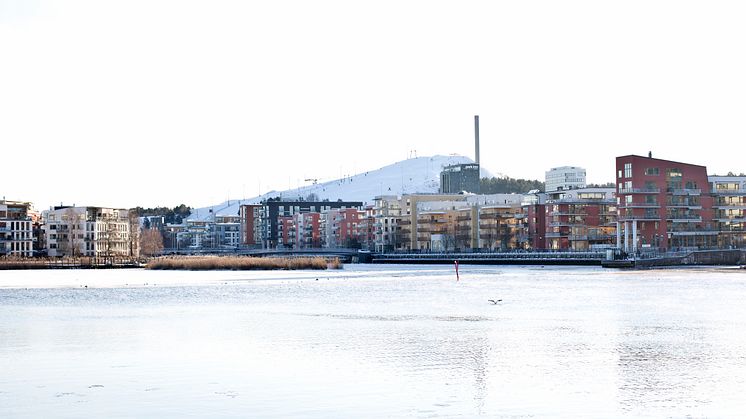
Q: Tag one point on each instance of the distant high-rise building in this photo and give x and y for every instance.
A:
(460, 178)
(564, 178)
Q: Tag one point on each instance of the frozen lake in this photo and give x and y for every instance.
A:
(373, 341)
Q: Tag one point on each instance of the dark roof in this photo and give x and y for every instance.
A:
(662, 160)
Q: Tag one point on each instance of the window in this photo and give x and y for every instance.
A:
(652, 171)
(673, 173)
(628, 170)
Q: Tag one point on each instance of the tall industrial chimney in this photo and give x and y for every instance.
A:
(476, 138)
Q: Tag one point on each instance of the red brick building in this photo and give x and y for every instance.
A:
(286, 233)
(251, 225)
(663, 205)
(536, 223)
(581, 219)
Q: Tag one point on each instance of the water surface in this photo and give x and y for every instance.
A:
(374, 341)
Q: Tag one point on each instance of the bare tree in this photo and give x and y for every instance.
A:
(72, 225)
(151, 242)
(134, 236)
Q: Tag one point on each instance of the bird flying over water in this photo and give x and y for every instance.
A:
(494, 301)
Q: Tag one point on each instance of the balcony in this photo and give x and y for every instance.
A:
(693, 232)
(737, 220)
(729, 192)
(682, 192)
(685, 205)
(566, 214)
(639, 191)
(722, 206)
(556, 235)
(463, 218)
(601, 237)
(640, 205)
(684, 218)
(640, 217)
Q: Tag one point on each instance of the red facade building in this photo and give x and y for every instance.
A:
(663, 205)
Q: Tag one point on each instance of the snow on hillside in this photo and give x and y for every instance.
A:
(416, 175)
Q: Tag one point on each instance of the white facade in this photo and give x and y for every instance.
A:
(564, 178)
(88, 231)
(16, 229)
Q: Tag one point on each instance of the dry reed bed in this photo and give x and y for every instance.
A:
(241, 263)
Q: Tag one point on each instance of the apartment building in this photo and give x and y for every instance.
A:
(461, 222)
(729, 210)
(275, 209)
(409, 208)
(664, 205)
(581, 219)
(564, 178)
(225, 232)
(535, 208)
(308, 230)
(88, 231)
(250, 216)
(16, 229)
(286, 232)
(349, 227)
(387, 214)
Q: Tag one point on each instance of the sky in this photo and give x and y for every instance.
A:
(158, 103)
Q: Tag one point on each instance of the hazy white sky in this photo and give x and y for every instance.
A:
(125, 103)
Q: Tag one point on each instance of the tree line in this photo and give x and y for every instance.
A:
(508, 185)
(173, 215)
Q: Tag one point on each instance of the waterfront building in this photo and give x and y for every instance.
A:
(16, 229)
(410, 206)
(387, 215)
(366, 232)
(501, 227)
(273, 209)
(225, 232)
(729, 210)
(286, 232)
(534, 206)
(176, 236)
(308, 230)
(461, 222)
(343, 227)
(251, 228)
(460, 178)
(581, 219)
(564, 178)
(663, 205)
(88, 231)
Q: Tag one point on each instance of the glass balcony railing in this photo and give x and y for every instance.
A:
(639, 190)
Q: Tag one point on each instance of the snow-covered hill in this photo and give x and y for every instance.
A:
(416, 175)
